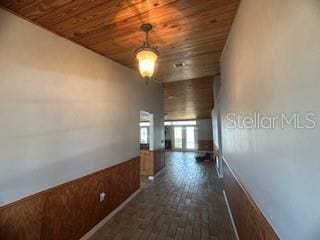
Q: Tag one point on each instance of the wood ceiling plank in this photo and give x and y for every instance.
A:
(182, 23)
(215, 55)
(190, 99)
(106, 16)
(15, 5)
(168, 41)
(188, 31)
(167, 60)
(179, 76)
(191, 63)
(39, 8)
(48, 13)
(165, 46)
(128, 53)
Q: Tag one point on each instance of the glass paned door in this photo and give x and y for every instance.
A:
(178, 137)
(184, 138)
(190, 138)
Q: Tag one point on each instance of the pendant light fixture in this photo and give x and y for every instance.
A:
(147, 55)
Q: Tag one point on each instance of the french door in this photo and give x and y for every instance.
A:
(184, 138)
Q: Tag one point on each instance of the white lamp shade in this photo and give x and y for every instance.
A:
(147, 61)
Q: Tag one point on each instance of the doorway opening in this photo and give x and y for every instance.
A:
(183, 135)
(146, 130)
(146, 142)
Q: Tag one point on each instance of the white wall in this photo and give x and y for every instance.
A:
(65, 111)
(204, 129)
(215, 133)
(271, 65)
(215, 113)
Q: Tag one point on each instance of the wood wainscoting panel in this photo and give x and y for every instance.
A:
(205, 145)
(248, 219)
(68, 211)
(22, 220)
(158, 160)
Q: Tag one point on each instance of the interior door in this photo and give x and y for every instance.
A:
(184, 138)
(190, 138)
(178, 138)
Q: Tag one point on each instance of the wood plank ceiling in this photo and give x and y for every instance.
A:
(192, 32)
(190, 99)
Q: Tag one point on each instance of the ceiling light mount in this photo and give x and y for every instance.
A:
(147, 55)
(146, 27)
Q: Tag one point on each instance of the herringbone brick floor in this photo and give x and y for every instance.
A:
(184, 202)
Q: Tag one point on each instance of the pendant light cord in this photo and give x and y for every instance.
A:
(147, 38)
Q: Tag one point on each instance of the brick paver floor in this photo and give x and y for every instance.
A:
(184, 202)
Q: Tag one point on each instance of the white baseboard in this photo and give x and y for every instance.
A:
(230, 215)
(107, 218)
(218, 173)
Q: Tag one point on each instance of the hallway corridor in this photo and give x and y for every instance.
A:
(184, 202)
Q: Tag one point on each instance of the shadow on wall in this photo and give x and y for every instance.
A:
(21, 185)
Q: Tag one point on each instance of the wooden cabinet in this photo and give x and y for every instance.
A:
(151, 162)
(146, 162)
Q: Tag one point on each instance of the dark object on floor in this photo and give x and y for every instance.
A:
(144, 146)
(168, 144)
(206, 156)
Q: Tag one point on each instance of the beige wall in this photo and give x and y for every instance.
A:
(65, 111)
(271, 64)
(204, 129)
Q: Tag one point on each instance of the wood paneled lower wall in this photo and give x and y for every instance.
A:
(249, 221)
(205, 145)
(68, 211)
(158, 160)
